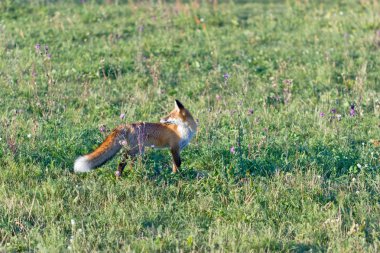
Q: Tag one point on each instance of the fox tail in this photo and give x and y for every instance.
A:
(108, 149)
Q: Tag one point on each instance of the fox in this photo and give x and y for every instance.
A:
(174, 131)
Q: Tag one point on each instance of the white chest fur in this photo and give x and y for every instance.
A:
(186, 134)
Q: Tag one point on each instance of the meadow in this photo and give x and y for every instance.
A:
(287, 153)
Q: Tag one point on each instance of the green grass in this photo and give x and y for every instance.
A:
(296, 182)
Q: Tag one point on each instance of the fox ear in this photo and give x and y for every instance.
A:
(178, 105)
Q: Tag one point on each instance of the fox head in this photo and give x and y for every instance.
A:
(179, 116)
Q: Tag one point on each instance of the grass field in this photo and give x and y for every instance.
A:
(286, 158)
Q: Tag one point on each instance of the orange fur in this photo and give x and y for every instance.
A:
(173, 132)
(105, 145)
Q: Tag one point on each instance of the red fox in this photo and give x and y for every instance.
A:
(174, 132)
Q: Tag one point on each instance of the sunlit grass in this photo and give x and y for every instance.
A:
(286, 157)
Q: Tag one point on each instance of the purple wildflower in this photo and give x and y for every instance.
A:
(250, 111)
(333, 111)
(37, 47)
(49, 56)
(232, 150)
(352, 111)
(218, 97)
(226, 76)
(122, 116)
(102, 128)
(378, 33)
(321, 114)
(46, 49)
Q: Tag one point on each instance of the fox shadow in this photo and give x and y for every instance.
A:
(156, 165)
(331, 161)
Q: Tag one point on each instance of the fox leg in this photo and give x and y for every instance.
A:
(130, 153)
(121, 166)
(176, 159)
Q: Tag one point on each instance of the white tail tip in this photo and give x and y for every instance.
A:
(82, 165)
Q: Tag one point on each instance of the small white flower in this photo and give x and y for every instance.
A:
(359, 165)
(29, 136)
(72, 222)
(69, 248)
(353, 179)
(357, 192)
(80, 230)
(123, 143)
